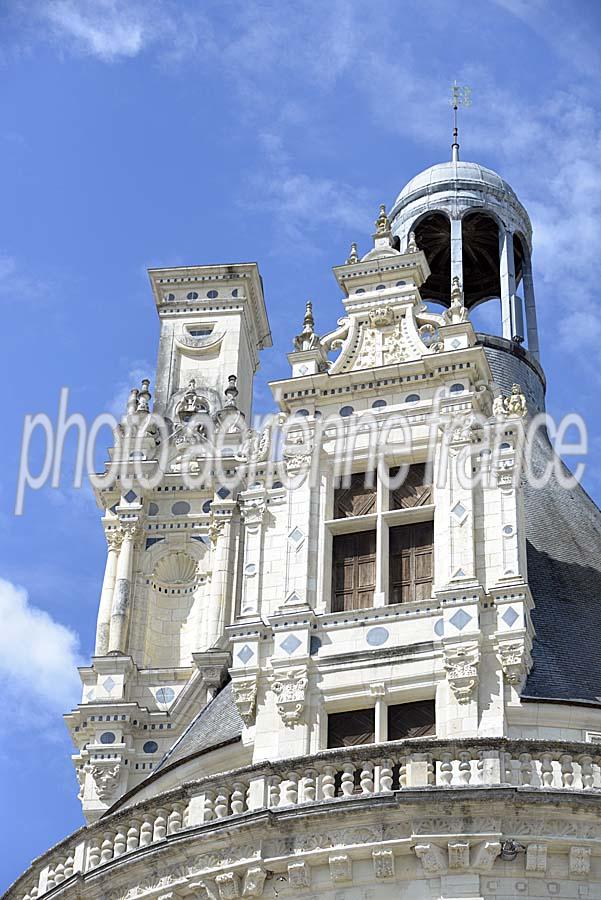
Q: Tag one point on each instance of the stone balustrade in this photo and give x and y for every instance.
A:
(348, 773)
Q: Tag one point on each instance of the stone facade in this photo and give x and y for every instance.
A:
(236, 581)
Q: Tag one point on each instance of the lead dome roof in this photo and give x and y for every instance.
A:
(440, 174)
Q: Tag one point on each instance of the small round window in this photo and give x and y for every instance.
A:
(346, 411)
(150, 747)
(206, 506)
(380, 287)
(107, 737)
(235, 292)
(170, 297)
(212, 294)
(400, 283)
(301, 412)
(378, 404)
(412, 398)
(181, 508)
(165, 695)
(192, 295)
(153, 509)
(456, 389)
(360, 291)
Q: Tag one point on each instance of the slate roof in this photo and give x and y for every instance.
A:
(563, 528)
(218, 723)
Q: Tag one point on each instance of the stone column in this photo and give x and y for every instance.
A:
(529, 302)
(252, 511)
(103, 625)
(511, 305)
(122, 595)
(456, 252)
(221, 535)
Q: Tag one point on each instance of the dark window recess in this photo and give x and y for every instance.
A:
(353, 570)
(411, 720)
(350, 729)
(414, 491)
(358, 499)
(411, 562)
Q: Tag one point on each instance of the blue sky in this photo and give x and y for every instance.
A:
(139, 133)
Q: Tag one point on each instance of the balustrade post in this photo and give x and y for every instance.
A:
(175, 820)
(567, 770)
(367, 778)
(546, 769)
(69, 866)
(238, 799)
(385, 779)
(526, 769)
(465, 767)
(146, 831)
(586, 771)
(120, 845)
(133, 835)
(160, 826)
(347, 784)
(309, 786)
(106, 848)
(94, 854)
(291, 792)
(275, 791)
(328, 783)
(222, 802)
(446, 768)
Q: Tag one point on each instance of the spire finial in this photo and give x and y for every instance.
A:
(461, 95)
(307, 339)
(382, 223)
(353, 256)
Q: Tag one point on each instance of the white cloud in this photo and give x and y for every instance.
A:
(107, 29)
(38, 661)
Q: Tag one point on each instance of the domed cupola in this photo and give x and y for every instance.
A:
(471, 225)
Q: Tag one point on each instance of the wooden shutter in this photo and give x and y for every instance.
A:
(411, 562)
(409, 720)
(350, 729)
(355, 500)
(353, 570)
(414, 491)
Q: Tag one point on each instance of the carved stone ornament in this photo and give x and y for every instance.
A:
(299, 875)
(461, 664)
(106, 780)
(536, 858)
(252, 512)
(383, 861)
(307, 339)
(459, 854)
(512, 656)
(382, 315)
(433, 858)
(228, 885)
(580, 860)
(513, 405)
(340, 868)
(483, 857)
(254, 881)
(245, 697)
(457, 313)
(290, 691)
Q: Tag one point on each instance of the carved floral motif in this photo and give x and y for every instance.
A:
(290, 691)
(245, 697)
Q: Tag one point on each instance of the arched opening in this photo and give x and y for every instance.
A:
(433, 236)
(480, 247)
(519, 254)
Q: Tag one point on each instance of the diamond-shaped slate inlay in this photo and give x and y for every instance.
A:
(439, 627)
(130, 497)
(460, 619)
(455, 343)
(108, 684)
(296, 536)
(459, 511)
(290, 644)
(245, 654)
(510, 616)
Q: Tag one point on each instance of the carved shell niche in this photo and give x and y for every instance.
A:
(175, 569)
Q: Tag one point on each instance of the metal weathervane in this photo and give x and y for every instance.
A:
(461, 95)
